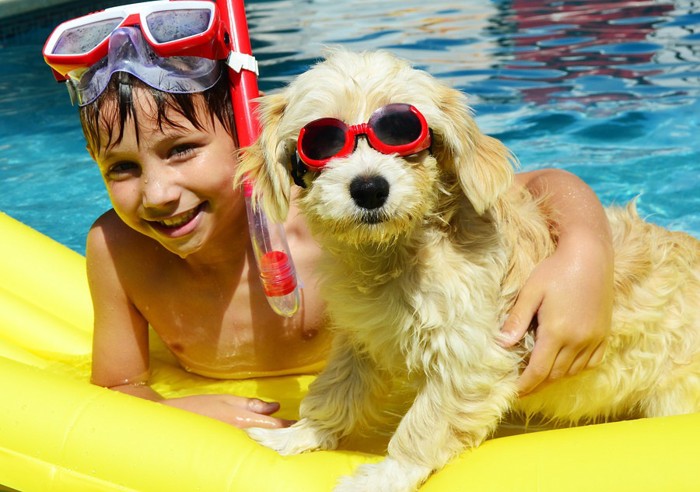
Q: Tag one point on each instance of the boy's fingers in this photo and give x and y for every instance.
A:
(531, 378)
(538, 369)
(579, 363)
(262, 407)
(519, 319)
(597, 356)
(586, 359)
(251, 419)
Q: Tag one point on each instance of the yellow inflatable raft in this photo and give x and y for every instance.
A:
(59, 433)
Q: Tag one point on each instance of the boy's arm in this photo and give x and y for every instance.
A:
(571, 292)
(120, 354)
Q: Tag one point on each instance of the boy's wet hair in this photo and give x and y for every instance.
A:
(119, 103)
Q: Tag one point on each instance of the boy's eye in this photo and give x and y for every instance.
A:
(182, 150)
(122, 169)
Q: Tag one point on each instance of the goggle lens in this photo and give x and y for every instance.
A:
(393, 129)
(82, 39)
(396, 126)
(173, 25)
(324, 138)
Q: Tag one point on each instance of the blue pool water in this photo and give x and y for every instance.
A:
(608, 90)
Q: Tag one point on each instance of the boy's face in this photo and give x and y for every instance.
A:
(172, 184)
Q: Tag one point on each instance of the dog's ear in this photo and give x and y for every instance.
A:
(483, 165)
(265, 162)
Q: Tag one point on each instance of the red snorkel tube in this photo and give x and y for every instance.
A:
(269, 242)
(242, 71)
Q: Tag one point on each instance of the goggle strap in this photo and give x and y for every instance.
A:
(72, 92)
(240, 61)
(298, 170)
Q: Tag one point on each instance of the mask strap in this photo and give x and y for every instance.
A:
(298, 171)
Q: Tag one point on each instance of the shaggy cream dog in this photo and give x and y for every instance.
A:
(418, 277)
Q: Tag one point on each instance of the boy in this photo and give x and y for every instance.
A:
(174, 252)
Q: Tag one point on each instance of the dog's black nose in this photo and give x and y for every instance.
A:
(369, 192)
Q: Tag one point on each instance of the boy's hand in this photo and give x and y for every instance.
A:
(571, 295)
(235, 410)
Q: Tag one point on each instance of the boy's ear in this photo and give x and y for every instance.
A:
(483, 165)
(265, 162)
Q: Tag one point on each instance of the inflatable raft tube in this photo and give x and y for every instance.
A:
(59, 433)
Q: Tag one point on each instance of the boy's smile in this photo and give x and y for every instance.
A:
(180, 224)
(170, 180)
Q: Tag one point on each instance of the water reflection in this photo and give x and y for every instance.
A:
(576, 47)
(528, 50)
(438, 36)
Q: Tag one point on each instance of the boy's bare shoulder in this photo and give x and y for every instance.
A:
(111, 237)
(105, 224)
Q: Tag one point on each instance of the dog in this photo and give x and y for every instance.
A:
(425, 252)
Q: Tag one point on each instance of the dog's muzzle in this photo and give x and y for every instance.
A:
(369, 192)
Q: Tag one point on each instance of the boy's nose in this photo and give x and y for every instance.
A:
(158, 190)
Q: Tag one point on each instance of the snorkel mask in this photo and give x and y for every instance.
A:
(171, 46)
(129, 53)
(175, 46)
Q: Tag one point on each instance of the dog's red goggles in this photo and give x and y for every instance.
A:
(393, 129)
(171, 28)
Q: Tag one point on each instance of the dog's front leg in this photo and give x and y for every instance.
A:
(457, 407)
(341, 395)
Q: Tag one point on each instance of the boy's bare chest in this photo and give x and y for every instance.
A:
(224, 326)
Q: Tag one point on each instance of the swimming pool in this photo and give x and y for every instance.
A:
(608, 90)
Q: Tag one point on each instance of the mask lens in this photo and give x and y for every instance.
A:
(323, 139)
(129, 52)
(396, 125)
(171, 25)
(82, 39)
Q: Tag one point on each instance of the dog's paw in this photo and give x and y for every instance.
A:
(300, 437)
(389, 475)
